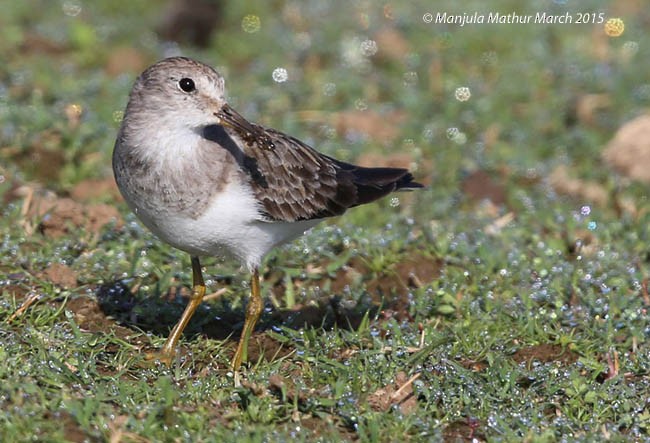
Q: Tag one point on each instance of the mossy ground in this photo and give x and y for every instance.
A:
(502, 303)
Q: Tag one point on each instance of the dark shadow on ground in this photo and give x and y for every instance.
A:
(385, 295)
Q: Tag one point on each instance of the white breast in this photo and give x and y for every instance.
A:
(230, 227)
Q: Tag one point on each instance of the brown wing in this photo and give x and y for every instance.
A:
(299, 183)
(295, 182)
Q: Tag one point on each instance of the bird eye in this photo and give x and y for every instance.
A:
(186, 84)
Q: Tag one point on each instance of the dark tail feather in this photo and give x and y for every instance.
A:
(374, 183)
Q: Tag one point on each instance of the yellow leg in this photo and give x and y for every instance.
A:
(253, 312)
(168, 350)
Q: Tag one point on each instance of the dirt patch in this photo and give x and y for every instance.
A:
(388, 288)
(400, 394)
(468, 430)
(629, 151)
(480, 185)
(44, 159)
(318, 425)
(261, 344)
(545, 353)
(15, 282)
(71, 428)
(62, 216)
(61, 275)
(90, 318)
(286, 389)
(563, 183)
(585, 109)
(38, 44)
(392, 44)
(474, 365)
(95, 188)
(410, 273)
(125, 59)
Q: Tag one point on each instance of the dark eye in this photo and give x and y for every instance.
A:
(186, 84)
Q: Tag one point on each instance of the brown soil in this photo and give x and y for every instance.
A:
(90, 318)
(400, 393)
(388, 289)
(92, 189)
(61, 275)
(629, 150)
(57, 217)
(466, 431)
(480, 185)
(41, 162)
(544, 353)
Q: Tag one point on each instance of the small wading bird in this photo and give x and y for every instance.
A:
(208, 182)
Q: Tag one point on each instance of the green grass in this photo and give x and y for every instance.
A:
(536, 330)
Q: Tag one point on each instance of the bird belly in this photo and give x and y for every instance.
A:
(231, 226)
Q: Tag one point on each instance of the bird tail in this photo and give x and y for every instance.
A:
(374, 183)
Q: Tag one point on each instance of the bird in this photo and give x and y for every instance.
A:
(210, 183)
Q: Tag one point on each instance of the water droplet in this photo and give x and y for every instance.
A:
(71, 9)
(614, 27)
(329, 89)
(630, 48)
(452, 132)
(280, 75)
(369, 48)
(462, 94)
(410, 78)
(456, 136)
(489, 58)
(251, 23)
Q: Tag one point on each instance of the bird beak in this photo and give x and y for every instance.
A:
(249, 132)
(231, 118)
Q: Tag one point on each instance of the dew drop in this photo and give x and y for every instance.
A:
(452, 133)
(614, 27)
(71, 9)
(630, 48)
(410, 78)
(369, 48)
(251, 23)
(329, 89)
(280, 75)
(462, 94)
(489, 58)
